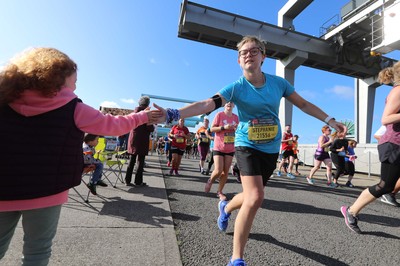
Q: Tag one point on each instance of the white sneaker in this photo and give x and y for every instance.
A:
(390, 199)
(310, 181)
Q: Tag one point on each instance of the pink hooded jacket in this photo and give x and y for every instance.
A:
(87, 119)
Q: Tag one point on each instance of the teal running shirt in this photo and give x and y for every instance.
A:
(258, 109)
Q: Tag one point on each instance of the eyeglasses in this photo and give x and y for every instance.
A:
(253, 52)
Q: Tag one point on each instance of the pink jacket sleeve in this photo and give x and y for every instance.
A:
(93, 121)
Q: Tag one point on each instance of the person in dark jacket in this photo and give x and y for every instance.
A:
(138, 147)
(338, 153)
(44, 122)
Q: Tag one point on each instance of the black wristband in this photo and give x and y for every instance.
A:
(222, 128)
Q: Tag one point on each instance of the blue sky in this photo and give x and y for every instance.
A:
(124, 48)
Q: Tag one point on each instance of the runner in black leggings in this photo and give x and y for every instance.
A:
(388, 148)
(338, 152)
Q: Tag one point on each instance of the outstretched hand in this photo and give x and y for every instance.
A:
(157, 115)
(338, 126)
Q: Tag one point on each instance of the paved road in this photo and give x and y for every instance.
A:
(298, 224)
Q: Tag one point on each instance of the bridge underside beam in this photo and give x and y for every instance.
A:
(212, 26)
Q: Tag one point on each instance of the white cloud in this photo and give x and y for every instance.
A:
(109, 104)
(152, 60)
(130, 101)
(342, 92)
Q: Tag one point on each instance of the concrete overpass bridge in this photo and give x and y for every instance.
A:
(352, 47)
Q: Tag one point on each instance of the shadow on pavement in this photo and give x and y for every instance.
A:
(381, 234)
(325, 260)
(295, 207)
(136, 211)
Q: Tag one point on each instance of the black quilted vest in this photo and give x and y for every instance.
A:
(39, 155)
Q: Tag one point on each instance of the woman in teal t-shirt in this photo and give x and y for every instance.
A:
(257, 96)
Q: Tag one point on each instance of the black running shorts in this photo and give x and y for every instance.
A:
(177, 150)
(253, 162)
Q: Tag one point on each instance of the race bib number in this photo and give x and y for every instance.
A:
(229, 137)
(326, 149)
(262, 130)
(180, 140)
(205, 140)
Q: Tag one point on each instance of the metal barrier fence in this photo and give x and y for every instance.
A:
(367, 157)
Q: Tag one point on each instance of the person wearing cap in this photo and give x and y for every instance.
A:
(138, 146)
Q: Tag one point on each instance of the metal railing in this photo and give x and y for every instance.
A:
(367, 157)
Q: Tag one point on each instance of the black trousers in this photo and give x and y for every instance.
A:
(339, 163)
(139, 171)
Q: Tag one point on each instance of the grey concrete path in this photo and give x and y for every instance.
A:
(123, 226)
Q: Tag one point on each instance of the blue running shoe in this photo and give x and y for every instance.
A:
(223, 216)
(278, 173)
(237, 262)
(291, 176)
(332, 185)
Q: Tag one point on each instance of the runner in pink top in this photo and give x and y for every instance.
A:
(224, 126)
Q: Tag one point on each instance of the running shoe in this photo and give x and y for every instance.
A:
(223, 216)
(349, 184)
(291, 176)
(221, 196)
(238, 179)
(207, 188)
(237, 262)
(278, 173)
(177, 173)
(351, 221)
(310, 181)
(171, 171)
(332, 185)
(390, 199)
(169, 164)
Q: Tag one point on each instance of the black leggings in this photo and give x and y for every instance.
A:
(211, 162)
(389, 175)
(349, 168)
(339, 163)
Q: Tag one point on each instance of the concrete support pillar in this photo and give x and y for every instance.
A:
(286, 69)
(364, 102)
(286, 107)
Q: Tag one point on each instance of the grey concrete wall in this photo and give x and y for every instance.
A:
(367, 157)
